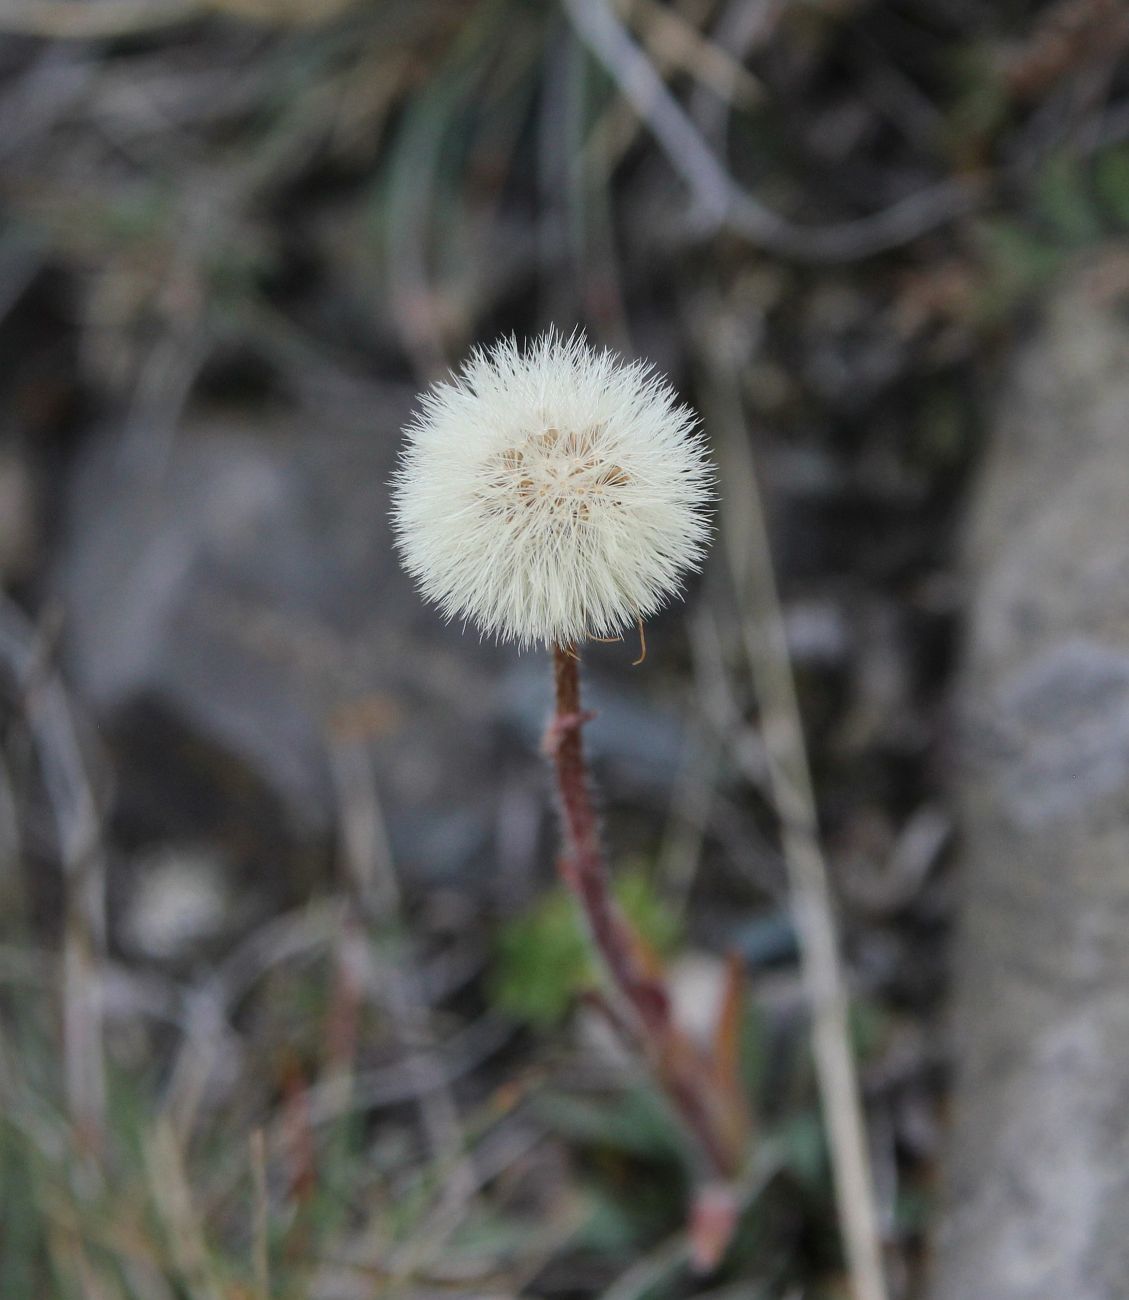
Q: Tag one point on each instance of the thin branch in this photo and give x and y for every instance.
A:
(719, 203)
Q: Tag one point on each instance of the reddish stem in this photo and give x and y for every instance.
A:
(641, 993)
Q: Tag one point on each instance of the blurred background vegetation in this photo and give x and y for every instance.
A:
(289, 1004)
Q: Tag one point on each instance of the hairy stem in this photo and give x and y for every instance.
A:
(639, 992)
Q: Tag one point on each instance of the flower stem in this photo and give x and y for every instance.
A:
(710, 1112)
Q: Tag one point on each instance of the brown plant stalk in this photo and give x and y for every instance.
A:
(701, 1090)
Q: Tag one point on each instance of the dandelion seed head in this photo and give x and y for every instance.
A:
(552, 494)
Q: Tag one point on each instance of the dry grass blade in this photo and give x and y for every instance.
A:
(77, 832)
(260, 1241)
(672, 38)
(684, 837)
(11, 886)
(375, 892)
(79, 20)
(293, 936)
(84, 20)
(172, 1198)
(750, 560)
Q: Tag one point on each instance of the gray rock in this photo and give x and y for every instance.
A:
(228, 620)
(1038, 1170)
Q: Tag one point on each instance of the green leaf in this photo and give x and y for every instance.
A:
(803, 1151)
(1064, 200)
(1016, 264)
(617, 1225)
(543, 960)
(634, 1123)
(1111, 181)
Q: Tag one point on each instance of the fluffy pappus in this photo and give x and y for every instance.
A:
(551, 494)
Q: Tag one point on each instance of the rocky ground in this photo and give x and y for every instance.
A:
(275, 844)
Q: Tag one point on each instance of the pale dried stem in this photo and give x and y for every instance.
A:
(763, 634)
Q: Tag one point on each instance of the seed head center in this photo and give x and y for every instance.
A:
(554, 472)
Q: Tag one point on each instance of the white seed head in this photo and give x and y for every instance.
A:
(551, 495)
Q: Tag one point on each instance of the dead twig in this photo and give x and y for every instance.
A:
(719, 203)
